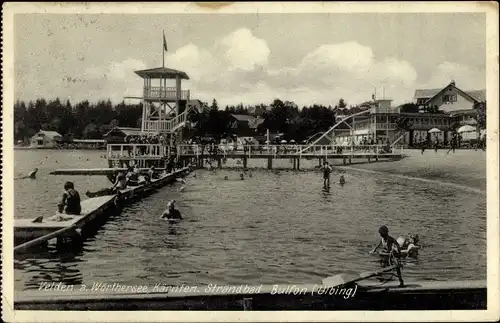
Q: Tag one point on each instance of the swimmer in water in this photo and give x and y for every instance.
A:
(242, 177)
(326, 174)
(387, 242)
(171, 213)
(342, 180)
(250, 175)
(409, 245)
(31, 175)
(225, 178)
(391, 249)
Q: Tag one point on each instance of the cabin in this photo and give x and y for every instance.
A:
(245, 124)
(45, 139)
(118, 135)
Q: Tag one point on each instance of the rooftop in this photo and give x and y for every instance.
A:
(479, 95)
(51, 134)
(162, 72)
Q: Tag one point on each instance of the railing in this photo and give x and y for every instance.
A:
(285, 150)
(116, 151)
(169, 93)
(164, 125)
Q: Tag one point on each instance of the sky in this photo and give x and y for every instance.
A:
(250, 58)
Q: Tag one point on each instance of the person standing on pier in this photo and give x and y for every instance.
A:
(327, 170)
(70, 199)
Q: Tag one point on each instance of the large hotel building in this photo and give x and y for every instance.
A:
(452, 107)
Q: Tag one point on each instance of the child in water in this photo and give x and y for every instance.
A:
(409, 246)
(342, 180)
(387, 242)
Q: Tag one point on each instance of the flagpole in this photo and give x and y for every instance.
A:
(163, 50)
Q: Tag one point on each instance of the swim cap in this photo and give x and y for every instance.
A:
(383, 229)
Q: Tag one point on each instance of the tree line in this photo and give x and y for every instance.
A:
(93, 120)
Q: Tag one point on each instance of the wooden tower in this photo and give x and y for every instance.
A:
(165, 107)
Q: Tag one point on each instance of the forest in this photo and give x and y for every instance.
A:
(86, 120)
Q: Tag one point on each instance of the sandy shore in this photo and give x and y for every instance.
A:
(464, 167)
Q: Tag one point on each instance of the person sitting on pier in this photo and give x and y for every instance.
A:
(132, 177)
(171, 213)
(70, 199)
(152, 173)
(326, 174)
(120, 183)
(342, 180)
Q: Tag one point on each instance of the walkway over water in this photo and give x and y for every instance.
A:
(155, 152)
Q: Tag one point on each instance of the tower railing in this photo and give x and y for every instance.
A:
(167, 93)
(162, 126)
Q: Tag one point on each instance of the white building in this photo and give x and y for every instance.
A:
(45, 139)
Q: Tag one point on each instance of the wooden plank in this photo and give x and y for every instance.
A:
(27, 229)
(96, 171)
(205, 292)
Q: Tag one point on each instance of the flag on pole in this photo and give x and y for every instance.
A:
(164, 42)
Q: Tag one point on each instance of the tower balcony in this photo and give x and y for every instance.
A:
(164, 93)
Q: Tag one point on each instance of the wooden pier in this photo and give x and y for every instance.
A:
(123, 154)
(60, 226)
(416, 295)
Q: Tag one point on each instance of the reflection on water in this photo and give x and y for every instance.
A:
(272, 227)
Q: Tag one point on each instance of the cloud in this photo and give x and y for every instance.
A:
(466, 77)
(245, 51)
(236, 69)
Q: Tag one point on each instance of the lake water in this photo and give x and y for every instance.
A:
(273, 227)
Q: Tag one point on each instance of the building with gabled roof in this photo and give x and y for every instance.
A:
(449, 98)
(45, 139)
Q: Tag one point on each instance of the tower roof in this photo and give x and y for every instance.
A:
(162, 72)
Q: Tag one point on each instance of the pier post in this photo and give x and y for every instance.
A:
(298, 163)
(245, 159)
(219, 162)
(350, 160)
(269, 163)
(343, 160)
(294, 163)
(247, 304)
(369, 161)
